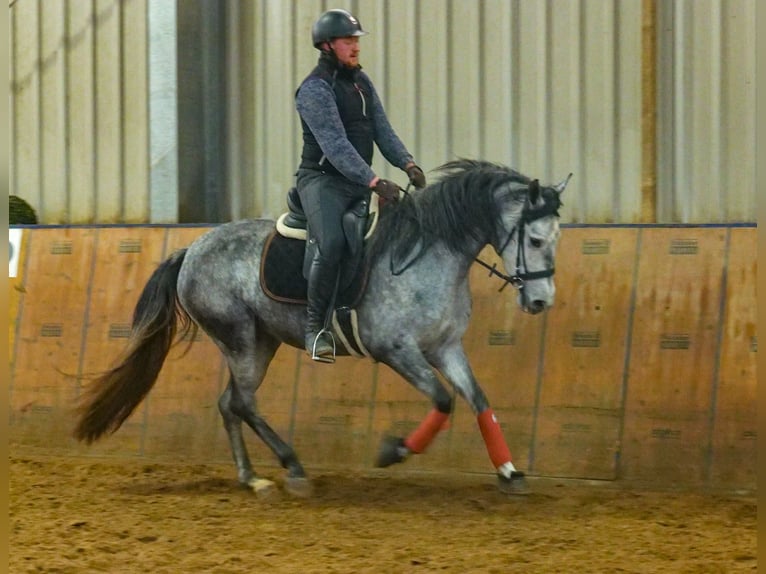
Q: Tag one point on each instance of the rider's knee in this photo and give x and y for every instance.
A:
(331, 250)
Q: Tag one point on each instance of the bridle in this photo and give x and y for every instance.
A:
(528, 215)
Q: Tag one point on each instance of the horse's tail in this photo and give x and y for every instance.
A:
(114, 395)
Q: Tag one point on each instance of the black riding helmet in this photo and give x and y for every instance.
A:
(335, 24)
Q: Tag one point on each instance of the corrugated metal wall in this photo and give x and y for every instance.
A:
(706, 87)
(543, 86)
(79, 109)
(547, 86)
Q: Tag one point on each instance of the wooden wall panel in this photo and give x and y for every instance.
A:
(333, 408)
(580, 411)
(673, 353)
(182, 411)
(181, 415)
(124, 260)
(49, 346)
(672, 310)
(734, 434)
(503, 345)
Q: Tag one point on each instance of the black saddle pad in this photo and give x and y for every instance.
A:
(282, 278)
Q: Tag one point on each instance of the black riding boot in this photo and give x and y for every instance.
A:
(320, 344)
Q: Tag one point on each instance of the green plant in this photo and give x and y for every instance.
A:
(19, 211)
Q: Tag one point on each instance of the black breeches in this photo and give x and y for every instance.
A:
(325, 198)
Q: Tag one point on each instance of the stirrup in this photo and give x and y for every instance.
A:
(323, 358)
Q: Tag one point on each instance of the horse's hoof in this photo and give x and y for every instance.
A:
(262, 487)
(299, 486)
(516, 484)
(392, 450)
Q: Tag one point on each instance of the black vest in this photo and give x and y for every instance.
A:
(353, 96)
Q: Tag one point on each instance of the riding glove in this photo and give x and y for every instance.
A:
(416, 175)
(387, 189)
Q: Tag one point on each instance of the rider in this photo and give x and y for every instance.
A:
(341, 115)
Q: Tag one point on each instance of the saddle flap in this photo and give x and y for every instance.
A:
(282, 279)
(355, 226)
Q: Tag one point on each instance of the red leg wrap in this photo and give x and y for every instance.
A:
(493, 438)
(422, 436)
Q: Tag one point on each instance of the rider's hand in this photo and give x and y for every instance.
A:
(387, 189)
(416, 175)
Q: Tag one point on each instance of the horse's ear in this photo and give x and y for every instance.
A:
(559, 187)
(534, 191)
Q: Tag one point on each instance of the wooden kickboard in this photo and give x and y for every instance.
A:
(125, 258)
(579, 416)
(673, 350)
(50, 335)
(333, 412)
(689, 408)
(182, 409)
(734, 433)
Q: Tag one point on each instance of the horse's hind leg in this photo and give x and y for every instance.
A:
(238, 404)
(233, 425)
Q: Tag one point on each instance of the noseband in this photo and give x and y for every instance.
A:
(519, 277)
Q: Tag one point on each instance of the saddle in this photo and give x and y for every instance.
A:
(287, 257)
(358, 223)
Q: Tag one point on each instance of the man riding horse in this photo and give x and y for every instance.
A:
(342, 116)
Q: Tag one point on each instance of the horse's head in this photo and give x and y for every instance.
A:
(528, 243)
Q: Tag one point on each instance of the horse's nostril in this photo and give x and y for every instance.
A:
(538, 305)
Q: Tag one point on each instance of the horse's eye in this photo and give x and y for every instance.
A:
(535, 242)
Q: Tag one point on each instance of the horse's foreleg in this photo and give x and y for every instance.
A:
(416, 370)
(453, 364)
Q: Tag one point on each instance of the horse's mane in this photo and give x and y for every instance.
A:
(458, 209)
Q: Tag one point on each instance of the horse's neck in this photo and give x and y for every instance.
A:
(448, 263)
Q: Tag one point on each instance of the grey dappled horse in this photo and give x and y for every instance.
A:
(412, 316)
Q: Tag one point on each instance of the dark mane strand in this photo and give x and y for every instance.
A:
(458, 209)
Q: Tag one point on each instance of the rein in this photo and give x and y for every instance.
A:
(518, 278)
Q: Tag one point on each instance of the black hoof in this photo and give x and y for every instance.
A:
(392, 450)
(516, 484)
